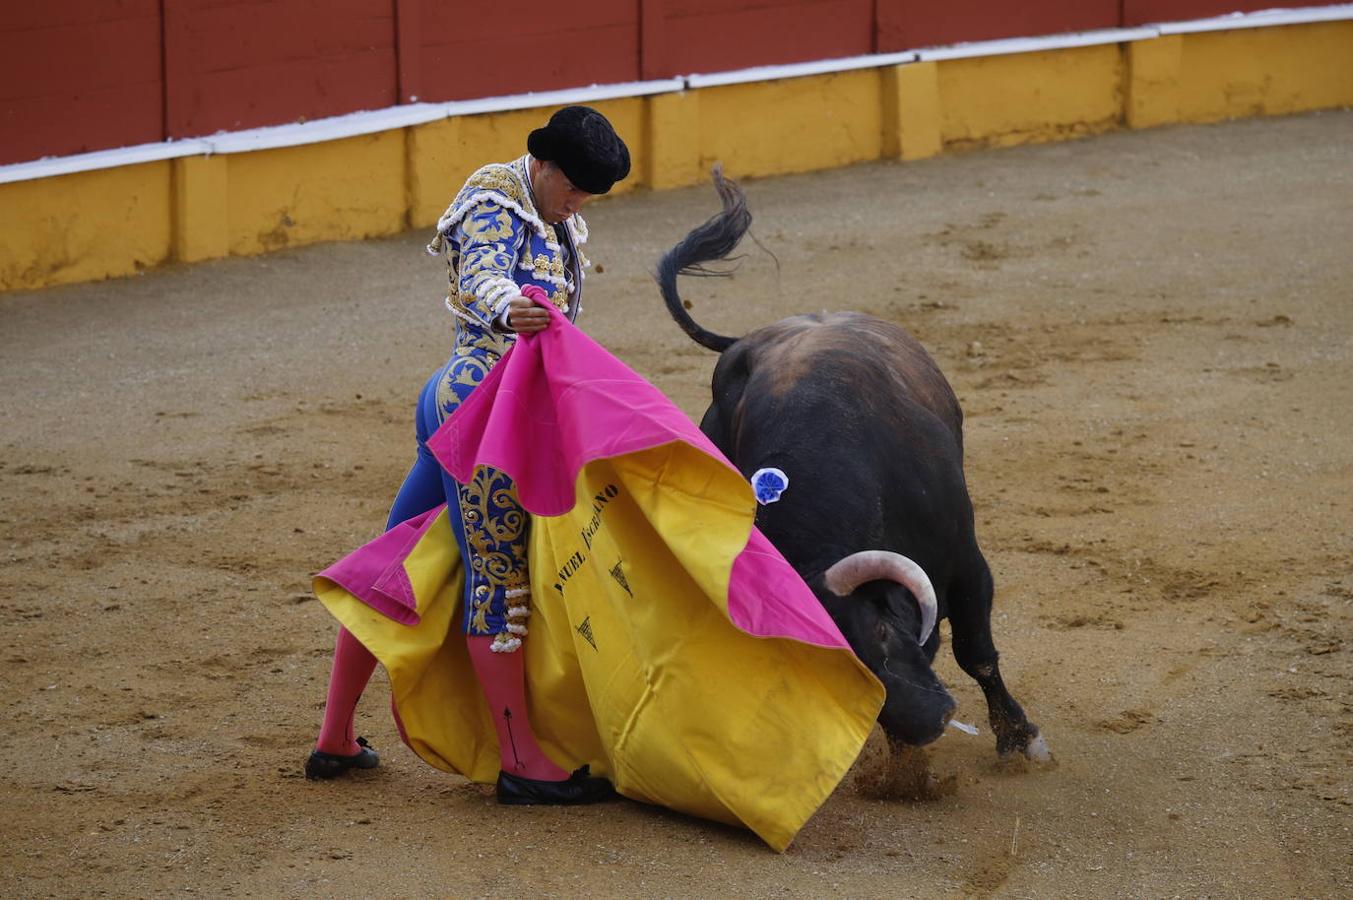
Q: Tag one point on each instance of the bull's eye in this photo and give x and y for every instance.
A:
(882, 632)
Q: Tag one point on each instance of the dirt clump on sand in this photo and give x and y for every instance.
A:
(898, 772)
(1151, 334)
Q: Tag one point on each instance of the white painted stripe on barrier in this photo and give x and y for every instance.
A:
(357, 124)
(374, 121)
(332, 128)
(566, 96)
(1008, 46)
(328, 129)
(1267, 18)
(102, 159)
(800, 70)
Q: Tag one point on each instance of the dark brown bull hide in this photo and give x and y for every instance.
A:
(870, 434)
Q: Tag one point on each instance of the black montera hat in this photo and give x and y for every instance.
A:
(581, 142)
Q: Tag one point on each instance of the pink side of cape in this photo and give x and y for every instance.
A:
(374, 573)
(558, 400)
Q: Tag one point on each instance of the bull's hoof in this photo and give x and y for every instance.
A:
(1037, 750)
(1028, 743)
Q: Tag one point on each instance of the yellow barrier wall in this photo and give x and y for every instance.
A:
(348, 189)
(671, 141)
(1266, 71)
(117, 221)
(797, 125)
(201, 224)
(84, 226)
(1153, 85)
(1000, 101)
(912, 116)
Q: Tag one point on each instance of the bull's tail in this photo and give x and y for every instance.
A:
(712, 241)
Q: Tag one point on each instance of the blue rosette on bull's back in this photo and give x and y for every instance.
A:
(769, 484)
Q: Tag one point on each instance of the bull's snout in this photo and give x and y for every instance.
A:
(917, 718)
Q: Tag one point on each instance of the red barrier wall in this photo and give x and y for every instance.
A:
(77, 76)
(718, 35)
(80, 75)
(904, 24)
(536, 46)
(235, 64)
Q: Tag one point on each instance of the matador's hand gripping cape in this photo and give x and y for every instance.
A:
(671, 646)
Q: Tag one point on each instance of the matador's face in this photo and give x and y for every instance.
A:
(556, 197)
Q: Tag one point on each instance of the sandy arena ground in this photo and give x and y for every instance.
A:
(1152, 336)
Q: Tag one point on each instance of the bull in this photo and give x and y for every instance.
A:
(876, 517)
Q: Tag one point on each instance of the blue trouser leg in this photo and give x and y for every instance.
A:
(426, 484)
(489, 525)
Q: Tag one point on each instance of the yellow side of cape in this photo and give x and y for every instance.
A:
(633, 664)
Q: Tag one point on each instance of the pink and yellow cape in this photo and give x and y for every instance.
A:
(671, 646)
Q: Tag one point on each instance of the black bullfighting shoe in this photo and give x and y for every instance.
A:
(330, 765)
(580, 787)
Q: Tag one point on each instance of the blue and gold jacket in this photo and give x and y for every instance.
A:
(496, 244)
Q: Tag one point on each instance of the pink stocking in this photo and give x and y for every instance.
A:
(502, 678)
(353, 665)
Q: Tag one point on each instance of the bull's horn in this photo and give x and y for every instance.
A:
(872, 565)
